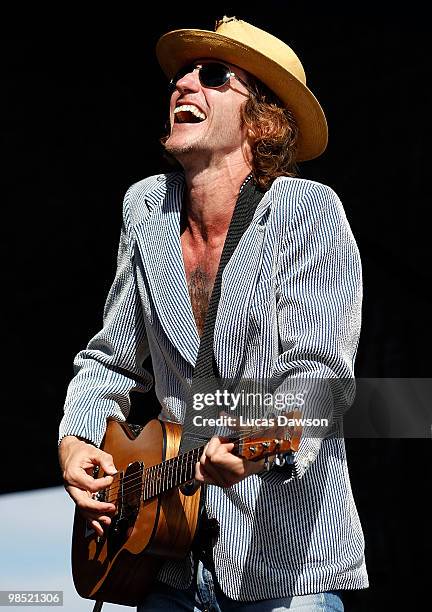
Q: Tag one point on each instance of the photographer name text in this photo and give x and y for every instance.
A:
(242, 421)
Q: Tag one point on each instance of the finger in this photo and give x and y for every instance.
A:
(102, 519)
(202, 477)
(212, 445)
(97, 527)
(77, 477)
(96, 484)
(211, 474)
(87, 503)
(206, 471)
(217, 448)
(105, 460)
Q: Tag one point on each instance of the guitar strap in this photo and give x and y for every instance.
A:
(206, 375)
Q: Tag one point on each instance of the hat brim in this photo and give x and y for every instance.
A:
(177, 48)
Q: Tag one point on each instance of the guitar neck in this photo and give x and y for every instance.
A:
(178, 470)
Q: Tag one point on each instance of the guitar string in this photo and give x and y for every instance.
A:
(153, 484)
(173, 461)
(245, 435)
(168, 466)
(147, 481)
(169, 472)
(150, 488)
(172, 470)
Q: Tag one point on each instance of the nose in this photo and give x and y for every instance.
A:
(189, 82)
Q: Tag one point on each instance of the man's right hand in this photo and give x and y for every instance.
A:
(77, 461)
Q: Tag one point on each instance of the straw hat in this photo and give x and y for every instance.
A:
(265, 57)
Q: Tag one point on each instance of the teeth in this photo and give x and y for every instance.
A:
(192, 109)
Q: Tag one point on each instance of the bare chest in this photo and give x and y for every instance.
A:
(200, 269)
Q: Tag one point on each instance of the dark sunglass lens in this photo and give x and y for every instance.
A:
(214, 75)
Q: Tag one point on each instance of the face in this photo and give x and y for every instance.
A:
(211, 128)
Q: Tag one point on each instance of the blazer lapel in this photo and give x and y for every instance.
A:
(158, 239)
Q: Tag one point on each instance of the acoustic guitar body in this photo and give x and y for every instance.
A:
(121, 566)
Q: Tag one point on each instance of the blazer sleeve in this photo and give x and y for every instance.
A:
(111, 365)
(319, 297)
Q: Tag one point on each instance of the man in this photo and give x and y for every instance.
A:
(240, 117)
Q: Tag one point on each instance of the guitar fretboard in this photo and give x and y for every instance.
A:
(170, 473)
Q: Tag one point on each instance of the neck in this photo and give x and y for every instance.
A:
(210, 198)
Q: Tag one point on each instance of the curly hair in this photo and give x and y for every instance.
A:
(273, 135)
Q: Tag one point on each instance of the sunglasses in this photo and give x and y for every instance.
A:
(212, 75)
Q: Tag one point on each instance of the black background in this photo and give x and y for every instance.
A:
(85, 104)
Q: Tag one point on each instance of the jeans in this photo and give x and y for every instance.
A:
(206, 596)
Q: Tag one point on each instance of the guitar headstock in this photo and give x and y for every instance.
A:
(276, 435)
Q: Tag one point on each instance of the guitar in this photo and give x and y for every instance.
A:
(155, 518)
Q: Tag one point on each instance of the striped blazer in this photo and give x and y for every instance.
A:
(290, 306)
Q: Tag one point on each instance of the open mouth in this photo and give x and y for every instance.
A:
(188, 113)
